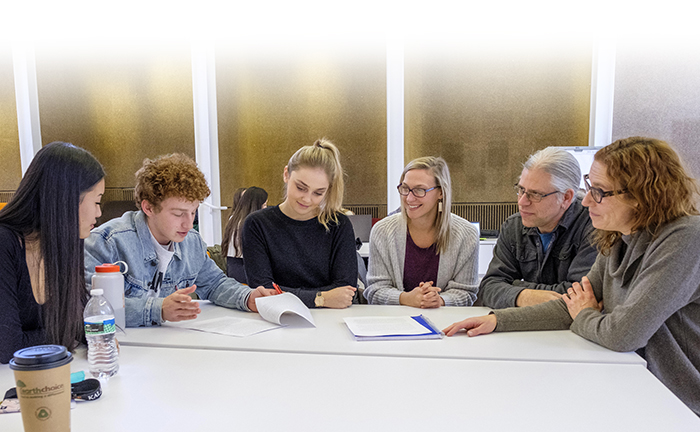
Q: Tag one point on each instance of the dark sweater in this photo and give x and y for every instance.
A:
(21, 324)
(520, 262)
(300, 256)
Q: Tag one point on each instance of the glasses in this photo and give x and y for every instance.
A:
(417, 192)
(597, 193)
(533, 197)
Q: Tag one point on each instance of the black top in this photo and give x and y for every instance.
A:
(236, 269)
(300, 256)
(21, 324)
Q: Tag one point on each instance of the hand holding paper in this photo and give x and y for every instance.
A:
(272, 308)
(258, 292)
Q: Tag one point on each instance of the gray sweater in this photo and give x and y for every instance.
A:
(650, 289)
(457, 272)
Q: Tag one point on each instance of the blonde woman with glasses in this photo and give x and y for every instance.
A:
(424, 257)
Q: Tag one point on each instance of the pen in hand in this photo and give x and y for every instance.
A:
(277, 288)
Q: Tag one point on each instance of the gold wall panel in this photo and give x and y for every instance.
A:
(486, 106)
(271, 101)
(121, 102)
(11, 164)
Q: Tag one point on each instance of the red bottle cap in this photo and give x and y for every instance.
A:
(107, 268)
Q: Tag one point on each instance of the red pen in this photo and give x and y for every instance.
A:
(277, 288)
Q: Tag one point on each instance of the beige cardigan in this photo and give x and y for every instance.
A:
(457, 272)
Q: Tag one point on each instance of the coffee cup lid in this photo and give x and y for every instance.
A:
(40, 357)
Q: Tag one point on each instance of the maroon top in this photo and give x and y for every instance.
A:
(420, 265)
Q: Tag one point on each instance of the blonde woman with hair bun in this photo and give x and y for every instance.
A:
(306, 244)
(425, 256)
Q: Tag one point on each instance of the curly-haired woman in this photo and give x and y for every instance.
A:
(643, 292)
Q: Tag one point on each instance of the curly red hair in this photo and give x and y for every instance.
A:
(654, 177)
(173, 175)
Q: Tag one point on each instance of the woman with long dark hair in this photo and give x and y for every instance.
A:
(42, 228)
(252, 199)
(237, 198)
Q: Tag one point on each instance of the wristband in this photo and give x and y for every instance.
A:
(87, 390)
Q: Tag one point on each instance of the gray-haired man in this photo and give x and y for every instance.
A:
(545, 247)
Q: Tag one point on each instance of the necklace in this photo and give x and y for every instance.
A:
(35, 266)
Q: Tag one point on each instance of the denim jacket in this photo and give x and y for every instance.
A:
(519, 261)
(128, 239)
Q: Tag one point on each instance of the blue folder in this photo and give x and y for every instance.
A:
(431, 332)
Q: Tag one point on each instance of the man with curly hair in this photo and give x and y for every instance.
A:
(167, 259)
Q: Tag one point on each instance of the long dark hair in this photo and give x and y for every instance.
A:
(252, 200)
(237, 198)
(46, 206)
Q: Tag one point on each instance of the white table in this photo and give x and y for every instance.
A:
(331, 336)
(165, 389)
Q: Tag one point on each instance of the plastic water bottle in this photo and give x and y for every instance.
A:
(110, 279)
(103, 356)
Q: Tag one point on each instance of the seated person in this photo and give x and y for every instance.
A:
(167, 259)
(424, 256)
(237, 198)
(42, 294)
(251, 200)
(306, 245)
(546, 246)
(642, 293)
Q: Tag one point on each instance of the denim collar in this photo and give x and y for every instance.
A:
(144, 234)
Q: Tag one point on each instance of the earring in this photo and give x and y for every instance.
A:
(440, 206)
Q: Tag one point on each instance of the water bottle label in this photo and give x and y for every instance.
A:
(105, 327)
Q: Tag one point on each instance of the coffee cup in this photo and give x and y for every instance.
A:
(42, 377)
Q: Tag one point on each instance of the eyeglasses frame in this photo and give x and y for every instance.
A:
(603, 193)
(529, 195)
(398, 188)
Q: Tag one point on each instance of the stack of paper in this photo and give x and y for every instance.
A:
(230, 326)
(277, 310)
(392, 328)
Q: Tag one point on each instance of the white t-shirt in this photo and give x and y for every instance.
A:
(231, 249)
(165, 255)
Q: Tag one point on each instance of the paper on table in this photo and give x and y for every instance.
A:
(384, 326)
(230, 326)
(273, 307)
